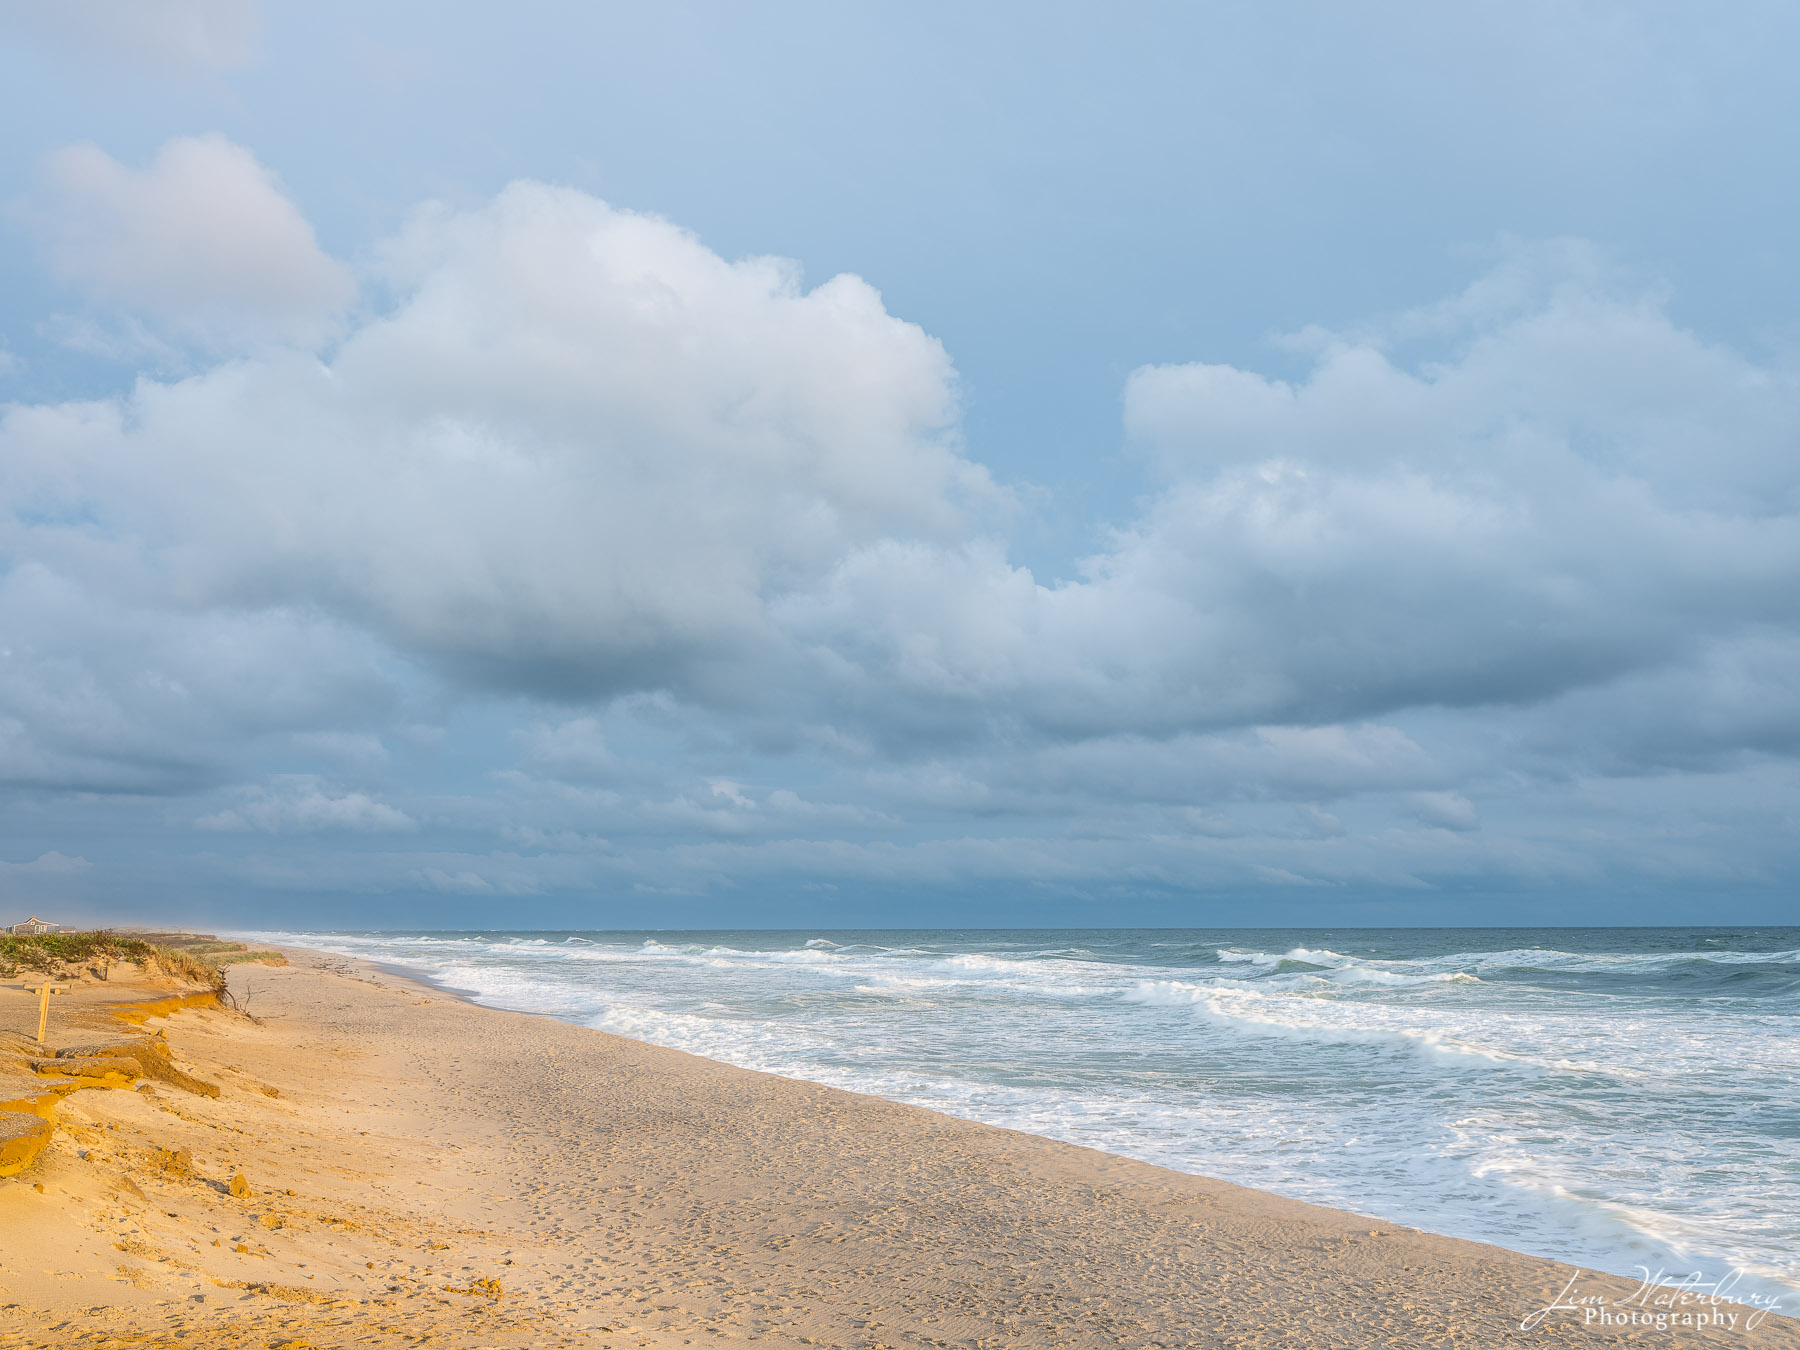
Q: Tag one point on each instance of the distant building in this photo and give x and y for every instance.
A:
(33, 925)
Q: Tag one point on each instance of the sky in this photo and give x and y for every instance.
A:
(706, 465)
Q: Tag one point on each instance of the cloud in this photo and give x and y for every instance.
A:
(105, 686)
(203, 242)
(465, 882)
(1575, 492)
(178, 37)
(689, 564)
(45, 864)
(721, 806)
(488, 875)
(1256, 764)
(580, 456)
(1733, 701)
(302, 805)
(1565, 491)
(583, 456)
(1446, 810)
(573, 751)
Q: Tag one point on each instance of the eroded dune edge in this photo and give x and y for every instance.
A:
(349, 1158)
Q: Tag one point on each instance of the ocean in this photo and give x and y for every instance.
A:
(1618, 1098)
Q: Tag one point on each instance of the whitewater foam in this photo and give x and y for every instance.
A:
(1609, 1098)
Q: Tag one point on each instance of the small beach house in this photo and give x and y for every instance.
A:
(33, 925)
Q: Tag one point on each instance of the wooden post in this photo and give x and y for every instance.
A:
(44, 1006)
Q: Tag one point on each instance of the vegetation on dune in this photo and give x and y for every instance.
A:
(197, 958)
(217, 951)
(48, 952)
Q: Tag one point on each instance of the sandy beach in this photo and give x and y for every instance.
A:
(418, 1170)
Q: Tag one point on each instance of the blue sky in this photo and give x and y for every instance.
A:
(814, 464)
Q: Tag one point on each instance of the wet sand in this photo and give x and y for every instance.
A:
(424, 1171)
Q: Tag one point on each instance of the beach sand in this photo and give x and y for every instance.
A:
(424, 1171)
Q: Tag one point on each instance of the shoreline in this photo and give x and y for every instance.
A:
(419, 978)
(1620, 1247)
(429, 984)
(491, 1178)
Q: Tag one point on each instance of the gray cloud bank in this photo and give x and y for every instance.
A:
(550, 553)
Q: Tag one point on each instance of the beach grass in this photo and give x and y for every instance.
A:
(196, 958)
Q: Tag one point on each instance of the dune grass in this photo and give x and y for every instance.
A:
(197, 958)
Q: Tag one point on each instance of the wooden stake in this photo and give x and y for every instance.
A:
(44, 1006)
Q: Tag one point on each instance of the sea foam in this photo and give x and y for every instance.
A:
(1612, 1098)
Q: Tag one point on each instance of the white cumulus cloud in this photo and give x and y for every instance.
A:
(1570, 491)
(203, 241)
(582, 454)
